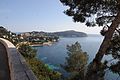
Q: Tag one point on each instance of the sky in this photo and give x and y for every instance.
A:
(39, 15)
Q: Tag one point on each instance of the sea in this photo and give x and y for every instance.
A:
(55, 54)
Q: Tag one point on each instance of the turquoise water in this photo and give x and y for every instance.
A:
(55, 54)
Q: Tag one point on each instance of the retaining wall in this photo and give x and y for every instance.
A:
(19, 70)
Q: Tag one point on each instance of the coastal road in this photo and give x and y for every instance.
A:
(4, 68)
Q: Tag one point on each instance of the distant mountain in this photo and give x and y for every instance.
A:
(70, 33)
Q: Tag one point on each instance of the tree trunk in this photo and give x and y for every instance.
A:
(94, 70)
(106, 42)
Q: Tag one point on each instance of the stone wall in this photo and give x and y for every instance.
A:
(19, 70)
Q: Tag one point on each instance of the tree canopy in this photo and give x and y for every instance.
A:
(92, 12)
(101, 13)
(76, 62)
(3, 31)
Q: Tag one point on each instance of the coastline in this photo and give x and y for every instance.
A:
(43, 44)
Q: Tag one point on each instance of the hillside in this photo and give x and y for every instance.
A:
(70, 33)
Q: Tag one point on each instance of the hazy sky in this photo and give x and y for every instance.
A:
(38, 15)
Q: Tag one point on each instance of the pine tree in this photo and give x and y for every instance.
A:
(76, 62)
(96, 12)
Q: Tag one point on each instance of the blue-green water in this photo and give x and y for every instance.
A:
(55, 54)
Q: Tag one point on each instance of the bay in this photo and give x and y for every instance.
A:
(55, 54)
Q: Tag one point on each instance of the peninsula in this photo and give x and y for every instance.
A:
(36, 38)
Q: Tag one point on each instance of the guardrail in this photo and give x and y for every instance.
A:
(19, 70)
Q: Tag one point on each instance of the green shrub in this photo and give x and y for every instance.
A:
(26, 50)
(42, 71)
